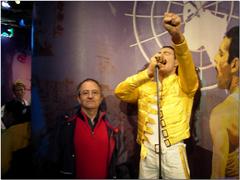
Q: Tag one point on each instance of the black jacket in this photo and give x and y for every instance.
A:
(63, 155)
(15, 113)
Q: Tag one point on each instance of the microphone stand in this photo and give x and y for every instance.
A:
(156, 75)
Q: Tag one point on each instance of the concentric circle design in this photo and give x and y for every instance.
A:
(150, 14)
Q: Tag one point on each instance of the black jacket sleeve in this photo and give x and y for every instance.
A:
(119, 162)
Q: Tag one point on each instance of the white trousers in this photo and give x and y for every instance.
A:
(174, 163)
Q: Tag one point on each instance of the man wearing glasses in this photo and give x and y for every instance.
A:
(87, 146)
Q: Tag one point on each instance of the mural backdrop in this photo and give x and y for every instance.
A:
(16, 63)
(109, 41)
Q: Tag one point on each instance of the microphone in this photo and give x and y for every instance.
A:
(162, 62)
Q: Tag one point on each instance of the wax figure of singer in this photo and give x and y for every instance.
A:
(176, 99)
(86, 145)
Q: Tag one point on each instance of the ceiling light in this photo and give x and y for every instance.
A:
(5, 5)
(17, 1)
(22, 23)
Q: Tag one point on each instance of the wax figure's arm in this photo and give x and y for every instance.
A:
(128, 89)
(186, 68)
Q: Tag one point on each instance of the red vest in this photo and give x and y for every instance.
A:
(91, 149)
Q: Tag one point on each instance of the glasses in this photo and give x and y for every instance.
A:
(86, 93)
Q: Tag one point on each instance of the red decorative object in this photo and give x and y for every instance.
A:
(22, 57)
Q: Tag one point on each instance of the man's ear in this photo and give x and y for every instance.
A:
(235, 65)
(78, 99)
(176, 63)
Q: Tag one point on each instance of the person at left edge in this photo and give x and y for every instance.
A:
(16, 134)
(86, 146)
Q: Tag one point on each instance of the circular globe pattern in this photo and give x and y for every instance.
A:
(150, 13)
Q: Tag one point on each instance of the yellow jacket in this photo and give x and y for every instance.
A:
(176, 99)
(14, 138)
